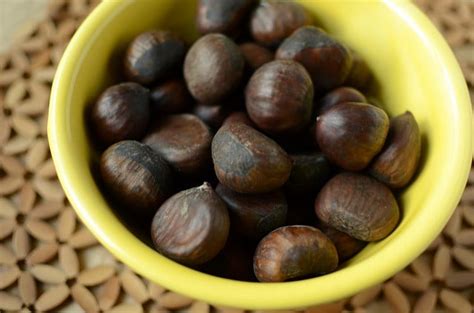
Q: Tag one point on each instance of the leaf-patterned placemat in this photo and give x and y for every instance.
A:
(50, 262)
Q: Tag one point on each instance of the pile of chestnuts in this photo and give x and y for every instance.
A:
(252, 153)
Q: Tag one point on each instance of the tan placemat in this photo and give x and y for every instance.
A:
(49, 260)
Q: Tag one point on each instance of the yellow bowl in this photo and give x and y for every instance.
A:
(415, 70)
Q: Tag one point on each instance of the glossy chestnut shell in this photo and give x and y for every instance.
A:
(136, 176)
(293, 252)
(359, 206)
(192, 226)
(350, 134)
(184, 141)
(399, 159)
(279, 97)
(121, 112)
(247, 161)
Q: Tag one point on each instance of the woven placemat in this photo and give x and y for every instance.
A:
(50, 262)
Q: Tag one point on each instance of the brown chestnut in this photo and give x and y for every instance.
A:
(254, 216)
(292, 252)
(213, 68)
(398, 161)
(300, 210)
(346, 246)
(184, 141)
(226, 17)
(309, 173)
(171, 97)
(360, 75)
(279, 97)
(255, 55)
(340, 95)
(192, 226)
(212, 115)
(359, 206)
(239, 117)
(121, 112)
(235, 261)
(247, 161)
(136, 176)
(350, 134)
(152, 55)
(327, 61)
(273, 21)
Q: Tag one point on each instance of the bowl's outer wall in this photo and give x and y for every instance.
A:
(414, 69)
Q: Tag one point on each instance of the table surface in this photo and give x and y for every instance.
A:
(48, 259)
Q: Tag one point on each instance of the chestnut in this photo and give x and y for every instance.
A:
(136, 176)
(152, 55)
(279, 97)
(235, 261)
(273, 21)
(350, 134)
(398, 161)
(360, 74)
(327, 61)
(212, 115)
(121, 112)
(292, 252)
(239, 117)
(300, 210)
(184, 141)
(247, 161)
(346, 246)
(359, 206)
(255, 55)
(226, 17)
(309, 173)
(213, 68)
(254, 216)
(340, 95)
(170, 97)
(192, 226)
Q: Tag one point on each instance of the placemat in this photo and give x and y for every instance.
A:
(50, 262)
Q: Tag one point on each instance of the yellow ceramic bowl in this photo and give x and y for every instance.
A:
(415, 71)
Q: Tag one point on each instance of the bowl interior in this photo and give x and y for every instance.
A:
(414, 70)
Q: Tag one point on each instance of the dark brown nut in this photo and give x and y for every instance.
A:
(235, 261)
(152, 55)
(327, 61)
(121, 112)
(279, 97)
(351, 134)
(247, 161)
(398, 161)
(340, 95)
(359, 206)
(171, 97)
(184, 141)
(213, 68)
(212, 115)
(293, 252)
(192, 226)
(254, 216)
(308, 174)
(300, 210)
(217, 16)
(360, 75)
(136, 176)
(346, 246)
(273, 21)
(239, 117)
(255, 55)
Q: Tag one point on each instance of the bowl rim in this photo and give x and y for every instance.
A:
(249, 295)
